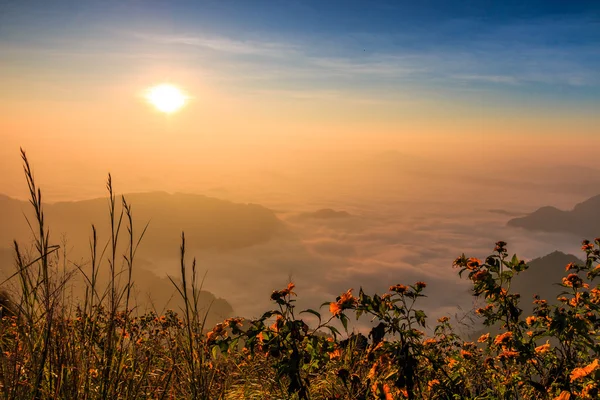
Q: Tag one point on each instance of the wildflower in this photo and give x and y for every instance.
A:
(428, 342)
(483, 338)
(335, 309)
(433, 383)
(570, 266)
(277, 324)
(587, 246)
(278, 294)
(543, 348)
(420, 285)
(443, 320)
(487, 308)
(372, 372)
(530, 320)
(288, 289)
(451, 363)
(235, 321)
(572, 280)
(387, 392)
(503, 338)
(506, 354)
(564, 395)
(500, 246)
(93, 372)
(590, 390)
(480, 275)
(595, 295)
(473, 263)
(345, 301)
(334, 355)
(578, 373)
(398, 288)
(466, 354)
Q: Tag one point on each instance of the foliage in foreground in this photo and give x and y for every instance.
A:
(101, 348)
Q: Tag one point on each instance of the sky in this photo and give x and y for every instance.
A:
(269, 75)
(417, 117)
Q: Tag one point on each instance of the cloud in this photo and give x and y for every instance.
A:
(224, 44)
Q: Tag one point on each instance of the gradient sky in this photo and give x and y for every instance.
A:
(265, 76)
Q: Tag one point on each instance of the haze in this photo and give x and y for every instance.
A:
(430, 126)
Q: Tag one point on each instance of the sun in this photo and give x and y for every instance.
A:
(166, 98)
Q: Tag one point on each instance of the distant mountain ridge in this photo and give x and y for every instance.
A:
(583, 219)
(209, 223)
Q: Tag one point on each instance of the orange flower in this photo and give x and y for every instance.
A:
(473, 263)
(346, 300)
(334, 355)
(583, 372)
(277, 323)
(483, 338)
(288, 289)
(508, 354)
(387, 392)
(572, 280)
(427, 342)
(420, 285)
(466, 354)
(530, 320)
(398, 288)
(543, 348)
(335, 309)
(570, 266)
(432, 383)
(564, 395)
(372, 372)
(502, 338)
(480, 275)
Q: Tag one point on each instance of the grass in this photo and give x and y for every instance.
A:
(100, 346)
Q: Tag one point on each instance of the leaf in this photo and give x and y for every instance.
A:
(334, 331)
(313, 312)
(344, 320)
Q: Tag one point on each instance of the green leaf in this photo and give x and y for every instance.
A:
(344, 320)
(313, 312)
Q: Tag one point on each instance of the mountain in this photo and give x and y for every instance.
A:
(209, 223)
(325, 213)
(542, 278)
(582, 220)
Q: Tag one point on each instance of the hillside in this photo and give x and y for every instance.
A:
(582, 220)
(209, 223)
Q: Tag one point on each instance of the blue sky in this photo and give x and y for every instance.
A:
(535, 53)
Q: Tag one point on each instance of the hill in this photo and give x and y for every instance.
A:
(209, 223)
(582, 220)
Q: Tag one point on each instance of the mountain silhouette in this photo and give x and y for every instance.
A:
(209, 223)
(542, 279)
(325, 213)
(582, 220)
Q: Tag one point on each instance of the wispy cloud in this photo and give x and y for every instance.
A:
(224, 44)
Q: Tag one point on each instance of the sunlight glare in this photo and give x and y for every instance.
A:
(166, 98)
